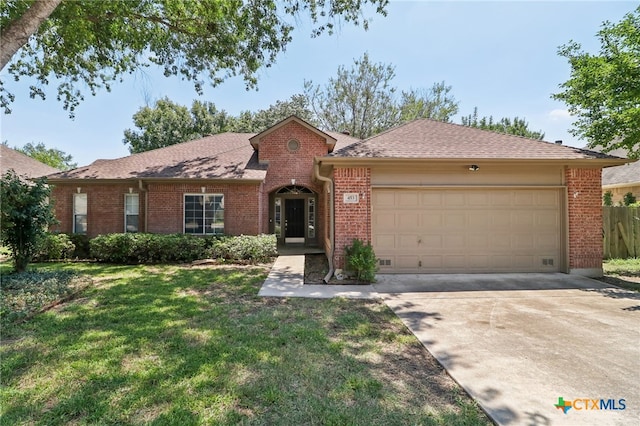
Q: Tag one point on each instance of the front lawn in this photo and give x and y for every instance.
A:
(196, 345)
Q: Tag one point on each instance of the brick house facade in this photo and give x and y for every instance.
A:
(410, 191)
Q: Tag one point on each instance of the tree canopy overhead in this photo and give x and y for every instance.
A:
(92, 44)
(603, 91)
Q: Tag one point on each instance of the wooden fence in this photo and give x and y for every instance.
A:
(621, 232)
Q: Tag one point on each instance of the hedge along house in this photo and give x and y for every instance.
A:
(431, 197)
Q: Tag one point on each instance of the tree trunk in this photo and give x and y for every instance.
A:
(17, 33)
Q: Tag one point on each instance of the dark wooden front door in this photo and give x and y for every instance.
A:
(294, 218)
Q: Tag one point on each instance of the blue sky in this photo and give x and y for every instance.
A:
(499, 56)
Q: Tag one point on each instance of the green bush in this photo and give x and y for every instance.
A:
(54, 247)
(629, 199)
(361, 259)
(161, 248)
(81, 242)
(26, 293)
(244, 248)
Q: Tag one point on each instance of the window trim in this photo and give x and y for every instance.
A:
(131, 194)
(184, 212)
(85, 214)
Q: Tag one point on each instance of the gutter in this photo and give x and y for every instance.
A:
(329, 185)
(146, 204)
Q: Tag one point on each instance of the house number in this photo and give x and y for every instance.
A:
(351, 198)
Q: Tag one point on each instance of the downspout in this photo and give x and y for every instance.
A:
(146, 204)
(328, 184)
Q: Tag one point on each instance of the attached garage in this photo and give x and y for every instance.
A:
(462, 229)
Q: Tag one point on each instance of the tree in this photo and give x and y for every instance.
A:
(95, 43)
(603, 91)
(359, 100)
(50, 156)
(25, 216)
(167, 123)
(435, 103)
(256, 122)
(516, 126)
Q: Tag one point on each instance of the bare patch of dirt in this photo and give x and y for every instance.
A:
(316, 267)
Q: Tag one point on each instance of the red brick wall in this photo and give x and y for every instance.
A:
(105, 211)
(105, 206)
(351, 220)
(285, 165)
(585, 218)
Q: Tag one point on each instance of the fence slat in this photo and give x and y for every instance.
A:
(621, 232)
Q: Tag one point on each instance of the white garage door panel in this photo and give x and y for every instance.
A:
(467, 230)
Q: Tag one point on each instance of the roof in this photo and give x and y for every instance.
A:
(621, 175)
(626, 174)
(425, 138)
(220, 156)
(22, 164)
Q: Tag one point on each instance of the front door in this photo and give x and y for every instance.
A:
(294, 220)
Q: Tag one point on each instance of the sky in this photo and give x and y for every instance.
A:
(498, 56)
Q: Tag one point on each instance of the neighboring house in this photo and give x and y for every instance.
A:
(22, 165)
(621, 180)
(432, 197)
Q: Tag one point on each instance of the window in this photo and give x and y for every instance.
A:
(311, 219)
(204, 214)
(131, 212)
(79, 213)
(277, 228)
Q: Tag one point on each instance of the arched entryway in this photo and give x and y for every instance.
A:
(293, 215)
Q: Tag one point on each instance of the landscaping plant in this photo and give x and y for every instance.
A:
(25, 216)
(361, 259)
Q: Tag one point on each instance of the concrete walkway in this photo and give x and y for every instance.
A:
(286, 279)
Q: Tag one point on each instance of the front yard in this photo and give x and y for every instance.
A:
(196, 345)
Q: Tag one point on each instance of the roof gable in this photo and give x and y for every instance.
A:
(330, 140)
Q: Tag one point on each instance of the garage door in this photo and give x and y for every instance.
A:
(467, 230)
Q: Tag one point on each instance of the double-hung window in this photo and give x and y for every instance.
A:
(79, 213)
(204, 214)
(131, 212)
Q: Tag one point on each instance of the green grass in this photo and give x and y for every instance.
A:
(622, 267)
(180, 345)
(624, 273)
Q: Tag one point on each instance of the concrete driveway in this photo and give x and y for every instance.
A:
(519, 342)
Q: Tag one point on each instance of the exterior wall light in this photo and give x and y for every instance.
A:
(474, 168)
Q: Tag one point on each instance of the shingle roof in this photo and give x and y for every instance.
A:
(424, 138)
(619, 175)
(23, 165)
(221, 156)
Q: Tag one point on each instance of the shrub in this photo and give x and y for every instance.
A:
(361, 259)
(161, 248)
(26, 293)
(607, 199)
(25, 215)
(54, 247)
(629, 199)
(245, 248)
(81, 243)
